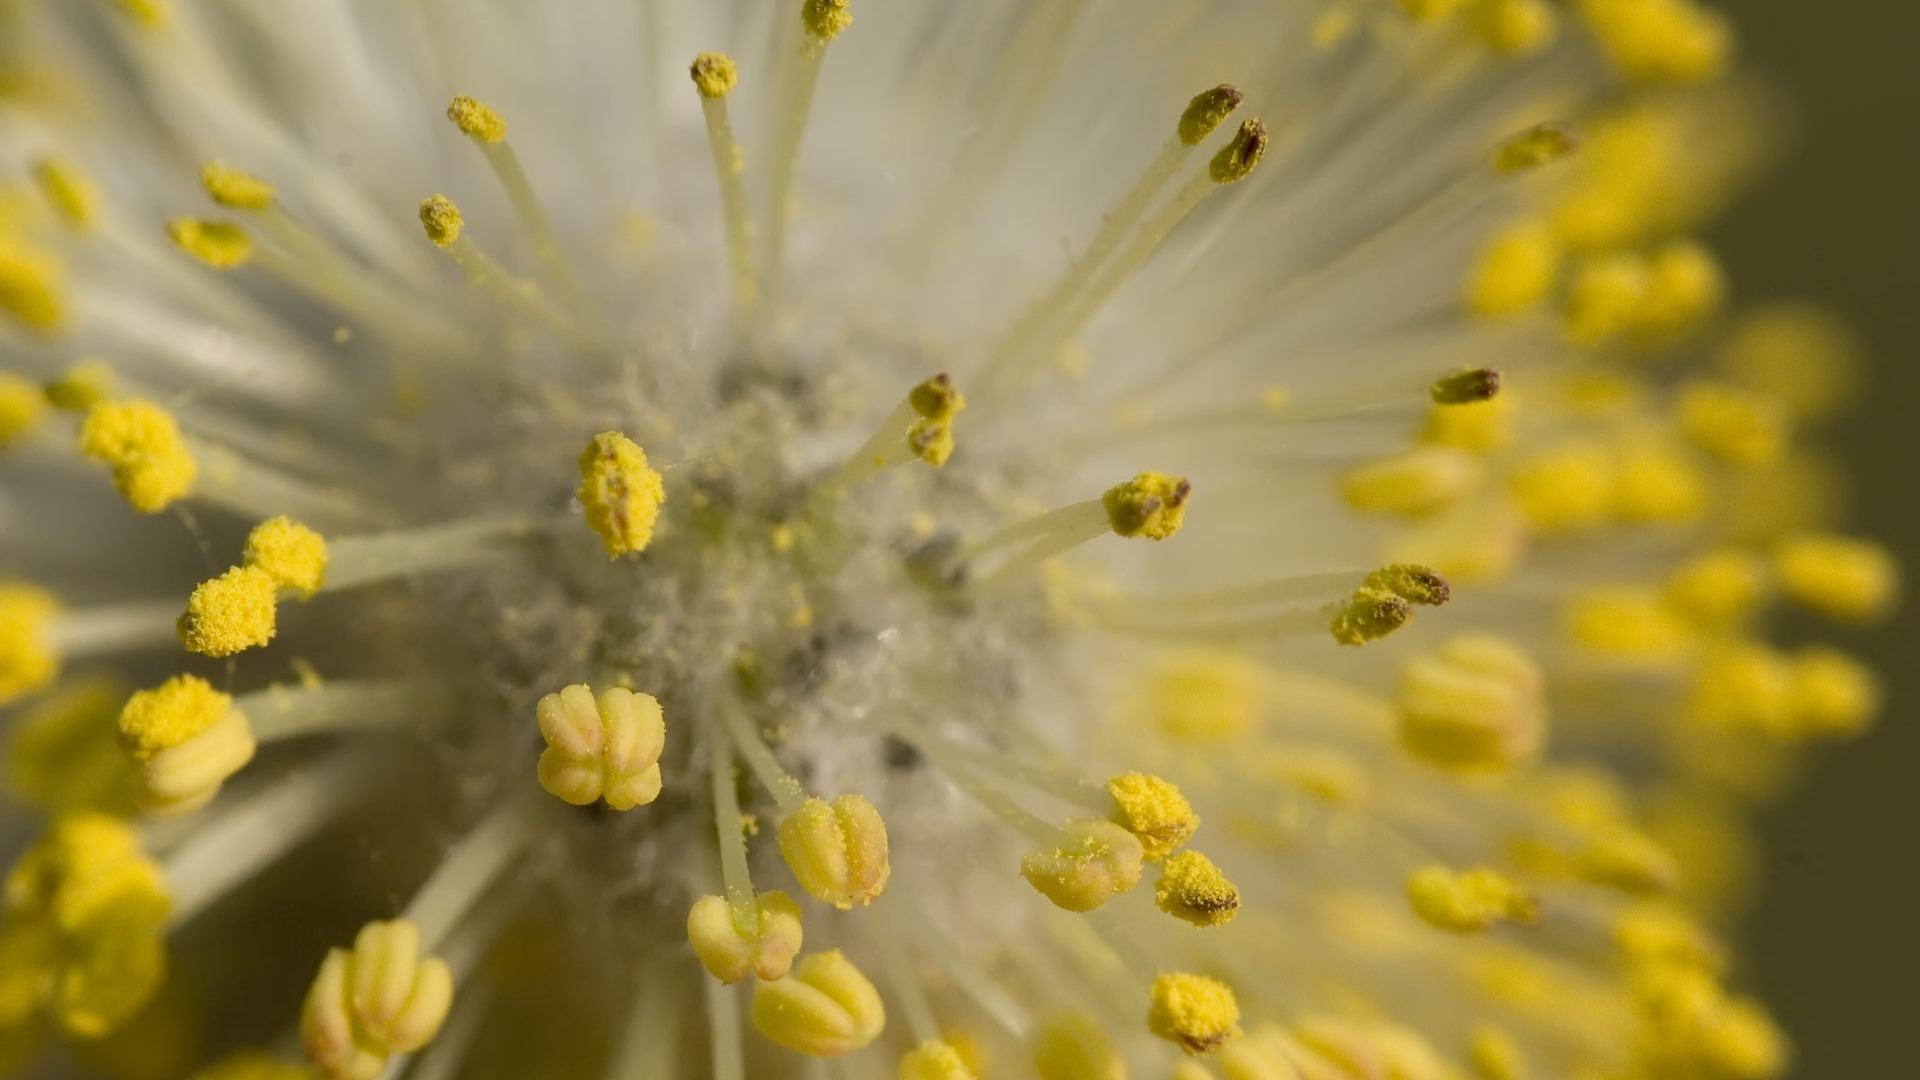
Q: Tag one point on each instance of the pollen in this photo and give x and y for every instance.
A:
(441, 220)
(188, 739)
(379, 999)
(731, 953)
(140, 442)
(1415, 483)
(1236, 160)
(824, 1008)
(838, 850)
(1154, 811)
(824, 19)
(1369, 615)
(294, 556)
(477, 120)
(70, 192)
(234, 189)
(21, 406)
(80, 387)
(1841, 577)
(1194, 1012)
(619, 493)
(1101, 861)
(1479, 704)
(935, 1059)
(28, 660)
(1539, 145)
(230, 613)
(714, 75)
(170, 714)
(221, 245)
(1151, 504)
(1516, 270)
(1191, 888)
(1206, 112)
(1469, 901)
(605, 748)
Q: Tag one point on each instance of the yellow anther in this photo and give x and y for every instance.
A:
(1569, 488)
(153, 14)
(937, 402)
(1350, 1048)
(477, 120)
(140, 442)
(730, 953)
(1369, 615)
(1411, 582)
(1154, 811)
(1101, 861)
(90, 906)
(838, 850)
(825, 1008)
(1720, 589)
(1624, 858)
(234, 189)
(1839, 576)
(935, 1059)
(21, 407)
(1605, 296)
(1539, 145)
(80, 387)
(1204, 695)
(64, 753)
(253, 1065)
(1151, 504)
(620, 493)
(1684, 285)
(1430, 10)
(1627, 622)
(1659, 934)
(1477, 427)
(1479, 704)
(188, 738)
(1656, 481)
(1494, 1055)
(69, 191)
(1516, 270)
(607, 748)
(1236, 160)
(1206, 112)
(229, 614)
(714, 75)
(380, 999)
(33, 287)
(441, 220)
(1194, 1012)
(825, 19)
(294, 556)
(1688, 1025)
(1516, 27)
(1463, 387)
(1830, 693)
(1803, 358)
(1193, 889)
(1732, 423)
(221, 245)
(1421, 481)
(1071, 1046)
(27, 659)
(1469, 901)
(1660, 41)
(170, 714)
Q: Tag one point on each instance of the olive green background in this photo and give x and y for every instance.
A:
(1835, 939)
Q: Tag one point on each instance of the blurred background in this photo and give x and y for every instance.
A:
(1836, 934)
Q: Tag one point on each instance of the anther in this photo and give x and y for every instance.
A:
(838, 850)
(620, 494)
(234, 189)
(477, 120)
(1415, 483)
(1470, 901)
(141, 444)
(936, 402)
(1154, 811)
(1193, 1012)
(824, 1008)
(1191, 888)
(1207, 111)
(441, 220)
(230, 613)
(1461, 388)
(605, 748)
(731, 953)
(714, 75)
(1072, 1046)
(1151, 504)
(294, 556)
(380, 999)
(1839, 576)
(33, 286)
(826, 19)
(220, 245)
(1540, 145)
(188, 739)
(28, 660)
(1101, 861)
(935, 1059)
(1479, 704)
(1236, 160)
(79, 388)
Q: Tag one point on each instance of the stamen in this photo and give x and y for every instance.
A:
(731, 833)
(441, 220)
(723, 1032)
(354, 561)
(1151, 505)
(824, 21)
(619, 493)
(1470, 901)
(384, 998)
(468, 873)
(919, 427)
(714, 76)
(489, 133)
(1193, 1012)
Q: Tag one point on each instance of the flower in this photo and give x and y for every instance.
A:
(615, 547)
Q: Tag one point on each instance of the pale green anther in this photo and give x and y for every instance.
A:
(1236, 159)
(1207, 111)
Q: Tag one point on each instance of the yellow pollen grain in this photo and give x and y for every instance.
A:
(1539, 145)
(80, 387)
(33, 287)
(1194, 1012)
(140, 442)
(70, 192)
(21, 407)
(714, 75)
(235, 189)
(1191, 888)
(477, 120)
(1151, 504)
(167, 715)
(1236, 160)
(1206, 112)
(220, 245)
(294, 556)
(620, 494)
(229, 614)
(826, 19)
(441, 220)
(1154, 811)
(27, 661)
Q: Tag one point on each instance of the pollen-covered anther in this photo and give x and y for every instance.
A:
(937, 402)
(294, 556)
(82, 930)
(1194, 1012)
(21, 407)
(1539, 145)
(70, 191)
(826, 19)
(1384, 602)
(1191, 888)
(231, 613)
(376, 1000)
(1236, 160)
(1207, 111)
(1151, 504)
(620, 494)
(1478, 704)
(441, 220)
(477, 120)
(140, 442)
(731, 953)
(188, 739)
(1154, 811)
(824, 1008)
(1100, 862)
(220, 245)
(28, 660)
(606, 748)
(714, 75)
(1469, 901)
(1839, 576)
(1415, 483)
(1466, 387)
(838, 850)
(235, 189)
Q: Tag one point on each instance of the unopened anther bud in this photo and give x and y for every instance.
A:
(235, 189)
(824, 1008)
(601, 749)
(935, 1059)
(1534, 147)
(1236, 160)
(731, 954)
(220, 245)
(1101, 861)
(1207, 111)
(377, 1000)
(838, 850)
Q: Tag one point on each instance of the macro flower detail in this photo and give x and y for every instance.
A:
(636, 509)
